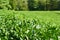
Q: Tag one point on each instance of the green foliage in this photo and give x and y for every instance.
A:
(33, 4)
(52, 5)
(30, 4)
(19, 4)
(4, 4)
(18, 26)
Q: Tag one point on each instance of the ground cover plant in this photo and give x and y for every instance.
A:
(29, 25)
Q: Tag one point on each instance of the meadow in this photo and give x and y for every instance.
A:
(29, 25)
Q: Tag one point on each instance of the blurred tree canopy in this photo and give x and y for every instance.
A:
(30, 4)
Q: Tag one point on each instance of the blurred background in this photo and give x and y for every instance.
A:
(30, 5)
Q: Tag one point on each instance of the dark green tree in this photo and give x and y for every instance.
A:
(33, 4)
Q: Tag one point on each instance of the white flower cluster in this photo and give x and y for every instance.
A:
(27, 31)
(38, 27)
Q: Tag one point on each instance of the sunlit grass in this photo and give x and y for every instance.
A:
(30, 25)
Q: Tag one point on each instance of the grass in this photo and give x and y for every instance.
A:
(29, 25)
(53, 16)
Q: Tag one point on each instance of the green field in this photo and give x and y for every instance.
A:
(53, 16)
(29, 25)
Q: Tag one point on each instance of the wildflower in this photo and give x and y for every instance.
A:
(38, 27)
(27, 31)
(51, 39)
(59, 37)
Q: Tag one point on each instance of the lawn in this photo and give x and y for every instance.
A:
(53, 16)
(29, 25)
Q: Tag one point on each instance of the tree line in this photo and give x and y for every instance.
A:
(30, 4)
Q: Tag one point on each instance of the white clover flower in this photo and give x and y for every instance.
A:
(35, 34)
(51, 39)
(59, 37)
(27, 31)
(38, 27)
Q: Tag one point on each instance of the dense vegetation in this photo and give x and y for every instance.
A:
(30, 4)
(16, 24)
(37, 25)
